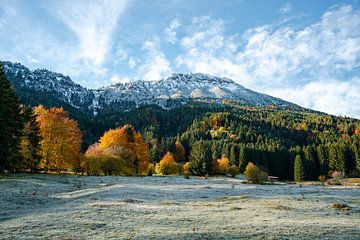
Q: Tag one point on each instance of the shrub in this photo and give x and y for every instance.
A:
(322, 178)
(337, 176)
(93, 166)
(233, 170)
(187, 167)
(167, 165)
(223, 164)
(255, 174)
(340, 206)
(186, 174)
(151, 169)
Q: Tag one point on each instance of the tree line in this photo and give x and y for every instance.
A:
(199, 140)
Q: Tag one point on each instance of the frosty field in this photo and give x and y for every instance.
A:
(72, 207)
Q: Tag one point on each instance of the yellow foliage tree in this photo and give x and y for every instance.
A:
(61, 139)
(130, 139)
(223, 165)
(167, 165)
(255, 174)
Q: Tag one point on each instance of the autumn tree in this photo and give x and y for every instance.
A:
(167, 165)
(255, 174)
(11, 123)
(223, 165)
(180, 152)
(61, 139)
(131, 140)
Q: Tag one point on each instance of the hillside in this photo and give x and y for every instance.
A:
(238, 123)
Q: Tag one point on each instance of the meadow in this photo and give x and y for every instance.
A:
(35, 206)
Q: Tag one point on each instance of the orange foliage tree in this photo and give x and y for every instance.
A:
(130, 139)
(61, 139)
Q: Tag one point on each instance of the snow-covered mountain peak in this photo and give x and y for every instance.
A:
(175, 90)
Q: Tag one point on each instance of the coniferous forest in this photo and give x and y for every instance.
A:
(199, 138)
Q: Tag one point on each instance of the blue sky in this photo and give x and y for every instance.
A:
(307, 51)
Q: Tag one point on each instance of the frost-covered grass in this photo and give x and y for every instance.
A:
(72, 207)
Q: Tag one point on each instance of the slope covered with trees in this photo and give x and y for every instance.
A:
(207, 137)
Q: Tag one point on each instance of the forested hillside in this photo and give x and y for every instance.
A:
(210, 135)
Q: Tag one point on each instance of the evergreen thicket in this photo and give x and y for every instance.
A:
(11, 124)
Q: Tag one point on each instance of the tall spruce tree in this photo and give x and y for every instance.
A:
(243, 159)
(200, 158)
(323, 160)
(234, 155)
(11, 123)
(299, 174)
(30, 141)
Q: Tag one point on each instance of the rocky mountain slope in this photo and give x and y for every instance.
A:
(176, 90)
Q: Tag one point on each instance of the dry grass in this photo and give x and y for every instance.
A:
(172, 208)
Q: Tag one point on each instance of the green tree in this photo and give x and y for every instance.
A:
(234, 155)
(299, 174)
(243, 159)
(11, 124)
(200, 158)
(323, 160)
(30, 141)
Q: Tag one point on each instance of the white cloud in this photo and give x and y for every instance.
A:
(118, 79)
(170, 32)
(286, 8)
(132, 62)
(93, 23)
(156, 65)
(334, 97)
(269, 60)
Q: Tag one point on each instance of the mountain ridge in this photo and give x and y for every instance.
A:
(176, 90)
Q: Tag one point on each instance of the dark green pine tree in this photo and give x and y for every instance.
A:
(323, 160)
(311, 163)
(299, 173)
(243, 159)
(225, 150)
(11, 123)
(215, 150)
(333, 157)
(357, 156)
(30, 141)
(200, 158)
(233, 158)
(337, 157)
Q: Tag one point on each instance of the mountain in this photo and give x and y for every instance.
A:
(177, 90)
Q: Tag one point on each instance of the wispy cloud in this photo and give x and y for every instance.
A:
(286, 8)
(92, 22)
(170, 32)
(156, 65)
(284, 58)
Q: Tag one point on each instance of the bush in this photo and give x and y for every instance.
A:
(255, 174)
(186, 174)
(223, 164)
(233, 170)
(150, 170)
(336, 178)
(187, 167)
(93, 166)
(167, 165)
